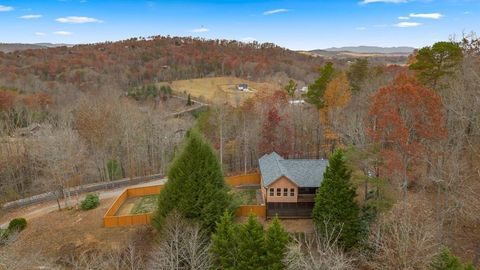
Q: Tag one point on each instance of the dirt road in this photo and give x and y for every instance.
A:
(38, 210)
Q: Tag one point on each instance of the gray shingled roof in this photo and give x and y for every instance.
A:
(304, 172)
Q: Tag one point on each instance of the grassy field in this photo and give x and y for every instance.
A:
(245, 196)
(145, 204)
(220, 89)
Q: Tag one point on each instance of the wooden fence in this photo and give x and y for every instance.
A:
(110, 220)
(245, 210)
(243, 180)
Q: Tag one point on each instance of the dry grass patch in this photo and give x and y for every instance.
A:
(57, 233)
(220, 88)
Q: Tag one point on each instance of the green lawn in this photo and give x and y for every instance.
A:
(245, 196)
(145, 204)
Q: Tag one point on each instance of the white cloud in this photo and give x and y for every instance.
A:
(5, 8)
(249, 39)
(275, 11)
(467, 12)
(39, 34)
(360, 28)
(30, 16)
(434, 16)
(62, 33)
(78, 19)
(404, 18)
(200, 30)
(407, 24)
(363, 2)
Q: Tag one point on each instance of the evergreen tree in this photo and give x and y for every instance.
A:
(195, 186)
(432, 63)
(224, 243)
(447, 261)
(335, 206)
(290, 88)
(251, 245)
(316, 91)
(357, 73)
(276, 241)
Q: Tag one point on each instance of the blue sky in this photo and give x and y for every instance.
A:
(292, 24)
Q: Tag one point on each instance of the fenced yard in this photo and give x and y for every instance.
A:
(135, 206)
(118, 217)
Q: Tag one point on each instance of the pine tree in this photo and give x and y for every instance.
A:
(195, 185)
(276, 241)
(316, 90)
(335, 207)
(224, 243)
(433, 63)
(448, 261)
(357, 73)
(251, 245)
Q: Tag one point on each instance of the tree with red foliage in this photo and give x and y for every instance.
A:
(275, 136)
(406, 119)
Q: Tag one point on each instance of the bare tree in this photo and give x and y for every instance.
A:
(182, 245)
(128, 258)
(318, 251)
(405, 238)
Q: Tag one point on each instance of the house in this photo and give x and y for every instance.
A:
(289, 185)
(242, 87)
(304, 89)
(297, 102)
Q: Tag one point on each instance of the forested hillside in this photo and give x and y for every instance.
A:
(403, 143)
(142, 60)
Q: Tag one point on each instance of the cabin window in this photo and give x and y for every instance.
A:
(285, 192)
(292, 192)
(272, 192)
(279, 192)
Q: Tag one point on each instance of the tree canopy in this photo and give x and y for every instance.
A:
(406, 117)
(357, 73)
(432, 63)
(336, 210)
(316, 90)
(195, 186)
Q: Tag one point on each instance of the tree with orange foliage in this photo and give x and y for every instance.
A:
(337, 95)
(338, 92)
(405, 118)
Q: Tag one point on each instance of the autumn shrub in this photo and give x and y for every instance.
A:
(17, 224)
(91, 201)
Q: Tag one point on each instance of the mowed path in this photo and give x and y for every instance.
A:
(38, 210)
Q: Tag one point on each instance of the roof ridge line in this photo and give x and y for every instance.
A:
(280, 167)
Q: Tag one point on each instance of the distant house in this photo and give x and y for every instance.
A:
(304, 89)
(242, 87)
(289, 185)
(297, 101)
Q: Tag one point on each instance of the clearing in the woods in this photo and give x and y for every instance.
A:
(220, 89)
